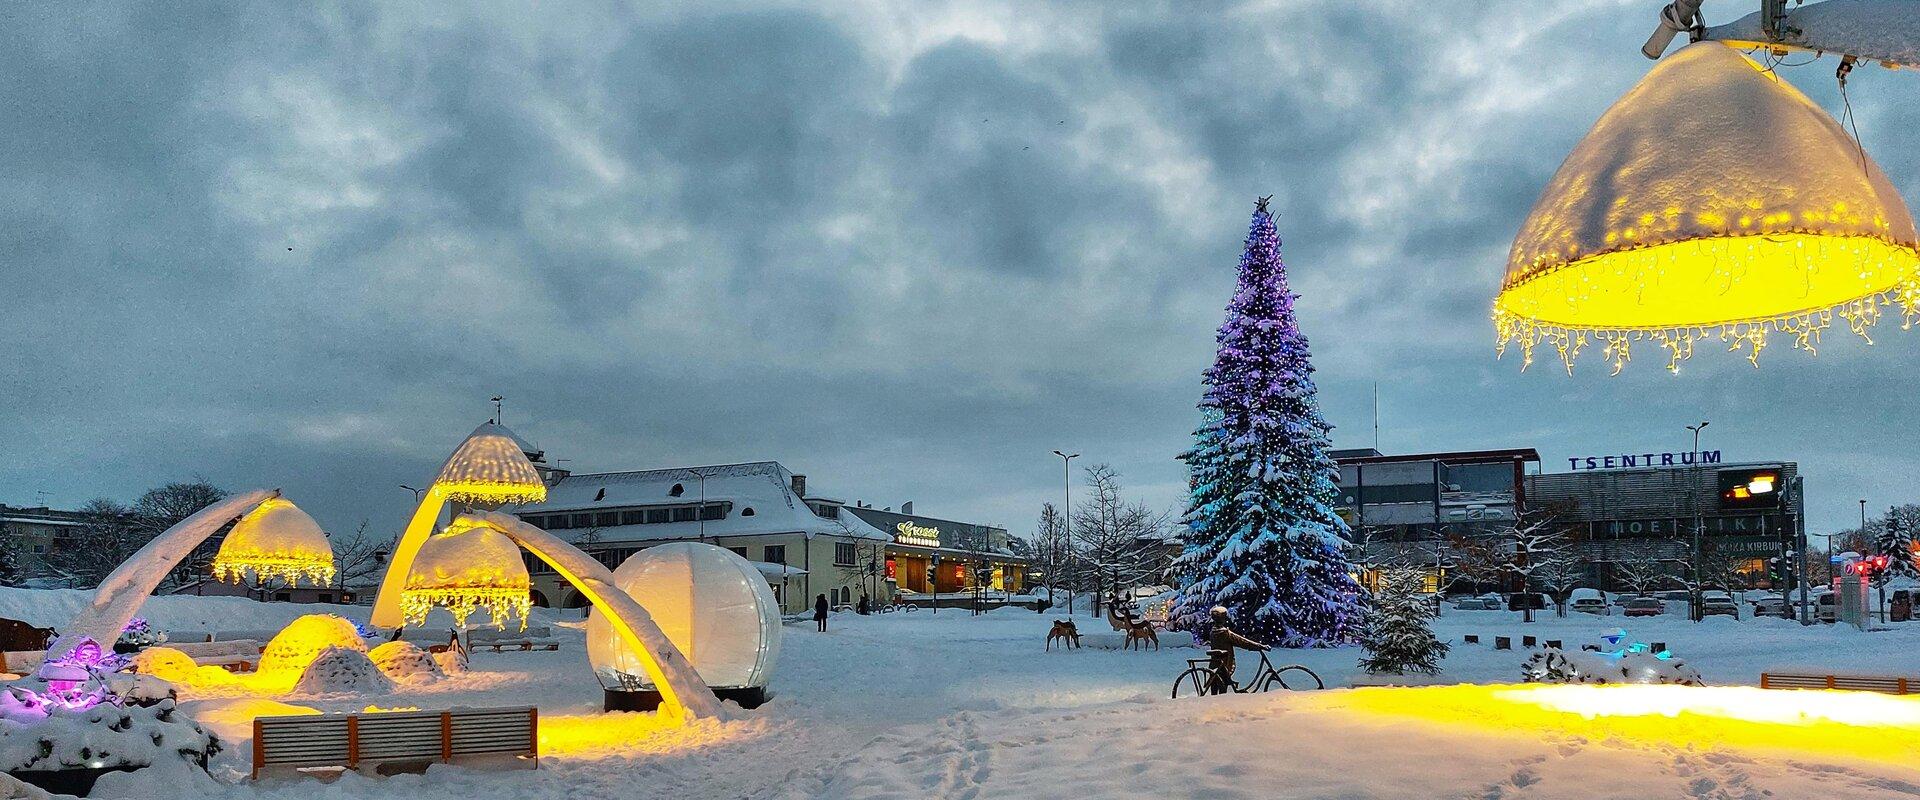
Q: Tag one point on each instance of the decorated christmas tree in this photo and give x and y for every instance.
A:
(1262, 536)
(1399, 635)
(1894, 539)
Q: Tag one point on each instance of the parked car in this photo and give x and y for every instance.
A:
(1676, 596)
(1826, 607)
(1645, 607)
(1523, 600)
(1718, 604)
(1774, 606)
(1588, 601)
(1473, 603)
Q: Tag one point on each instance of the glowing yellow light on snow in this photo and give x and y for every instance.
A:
(468, 568)
(1851, 724)
(1712, 201)
(490, 468)
(275, 541)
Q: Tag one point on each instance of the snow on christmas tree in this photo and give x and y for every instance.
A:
(1894, 539)
(1263, 539)
(1399, 635)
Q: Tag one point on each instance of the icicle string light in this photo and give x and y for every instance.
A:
(500, 604)
(489, 468)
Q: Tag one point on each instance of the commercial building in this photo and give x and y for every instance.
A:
(1622, 517)
(805, 544)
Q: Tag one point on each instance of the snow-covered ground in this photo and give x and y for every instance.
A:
(951, 705)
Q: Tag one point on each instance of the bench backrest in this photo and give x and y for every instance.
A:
(1863, 683)
(348, 740)
(238, 647)
(483, 635)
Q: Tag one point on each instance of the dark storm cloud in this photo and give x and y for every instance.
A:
(907, 248)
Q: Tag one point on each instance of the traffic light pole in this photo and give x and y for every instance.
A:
(1800, 528)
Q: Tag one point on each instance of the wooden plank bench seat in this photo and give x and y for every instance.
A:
(384, 743)
(537, 637)
(1884, 684)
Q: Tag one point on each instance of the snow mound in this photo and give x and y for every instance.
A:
(105, 735)
(295, 648)
(405, 662)
(340, 670)
(165, 663)
(451, 662)
(1558, 666)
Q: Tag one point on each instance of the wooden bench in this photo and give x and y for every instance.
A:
(392, 742)
(1857, 683)
(533, 638)
(20, 662)
(240, 655)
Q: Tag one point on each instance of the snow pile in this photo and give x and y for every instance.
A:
(105, 736)
(165, 663)
(343, 670)
(451, 662)
(405, 662)
(1632, 666)
(296, 647)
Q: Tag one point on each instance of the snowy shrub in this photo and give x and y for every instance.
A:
(1632, 666)
(165, 663)
(139, 635)
(405, 662)
(343, 670)
(140, 690)
(303, 640)
(1398, 635)
(105, 736)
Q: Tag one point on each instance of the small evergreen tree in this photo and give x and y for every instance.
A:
(1399, 634)
(1263, 539)
(1894, 539)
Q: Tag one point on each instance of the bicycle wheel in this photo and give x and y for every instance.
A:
(1279, 676)
(1192, 683)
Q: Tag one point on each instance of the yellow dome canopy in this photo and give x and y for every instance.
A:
(465, 568)
(491, 467)
(275, 541)
(1713, 199)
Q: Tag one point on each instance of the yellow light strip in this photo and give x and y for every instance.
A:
(291, 569)
(500, 603)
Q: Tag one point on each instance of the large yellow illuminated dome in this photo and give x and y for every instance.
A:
(466, 568)
(491, 468)
(1712, 200)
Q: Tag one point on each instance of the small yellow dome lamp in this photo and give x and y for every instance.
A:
(1712, 201)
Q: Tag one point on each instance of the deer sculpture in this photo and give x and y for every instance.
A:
(1138, 631)
(1066, 632)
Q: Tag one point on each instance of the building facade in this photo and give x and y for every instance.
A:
(926, 555)
(805, 544)
(33, 533)
(1622, 518)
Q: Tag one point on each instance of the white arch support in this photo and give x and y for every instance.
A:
(386, 604)
(130, 584)
(683, 693)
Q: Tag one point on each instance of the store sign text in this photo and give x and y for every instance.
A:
(1625, 460)
(909, 533)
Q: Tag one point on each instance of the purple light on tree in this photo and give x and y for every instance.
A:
(1262, 537)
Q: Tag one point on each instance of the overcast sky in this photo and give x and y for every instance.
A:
(904, 248)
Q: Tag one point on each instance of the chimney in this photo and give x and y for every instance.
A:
(800, 485)
(906, 507)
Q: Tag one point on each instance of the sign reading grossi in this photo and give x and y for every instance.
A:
(909, 533)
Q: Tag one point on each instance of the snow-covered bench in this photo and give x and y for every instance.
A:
(20, 662)
(239, 655)
(385, 743)
(533, 638)
(1859, 683)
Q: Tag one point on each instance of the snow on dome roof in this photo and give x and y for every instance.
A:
(1712, 197)
(275, 541)
(491, 466)
(465, 568)
(764, 486)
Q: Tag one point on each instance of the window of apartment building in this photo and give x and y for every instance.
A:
(844, 554)
(657, 515)
(776, 554)
(583, 520)
(633, 517)
(825, 511)
(683, 514)
(713, 511)
(606, 519)
(740, 551)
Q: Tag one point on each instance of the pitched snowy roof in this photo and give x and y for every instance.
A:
(766, 487)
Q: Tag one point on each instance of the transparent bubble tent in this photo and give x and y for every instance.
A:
(714, 606)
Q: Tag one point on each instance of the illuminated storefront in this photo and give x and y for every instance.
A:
(929, 555)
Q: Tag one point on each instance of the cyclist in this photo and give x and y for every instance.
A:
(1221, 640)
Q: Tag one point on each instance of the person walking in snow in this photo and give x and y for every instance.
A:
(1221, 640)
(820, 611)
(864, 604)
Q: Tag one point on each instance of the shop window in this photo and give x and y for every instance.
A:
(776, 554)
(843, 554)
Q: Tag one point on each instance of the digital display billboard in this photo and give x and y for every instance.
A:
(1751, 487)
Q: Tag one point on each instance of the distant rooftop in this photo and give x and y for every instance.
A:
(1369, 455)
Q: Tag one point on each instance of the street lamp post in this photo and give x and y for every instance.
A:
(1699, 521)
(1066, 517)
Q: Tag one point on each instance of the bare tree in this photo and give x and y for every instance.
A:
(1118, 543)
(83, 555)
(1050, 549)
(1639, 575)
(1558, 578)
(869, 558)
(359, 555)
(1531, 546)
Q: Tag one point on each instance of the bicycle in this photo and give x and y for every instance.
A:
(1203, 678)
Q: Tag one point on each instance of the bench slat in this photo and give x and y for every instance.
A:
(316, 741)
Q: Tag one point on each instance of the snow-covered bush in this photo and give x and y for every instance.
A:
(140, 690)
(165, 663)
(139, 635)
(1631, 666)
(301, 642)
(343, 670)
(104, 736)
(1398, 635)
(405, 662)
